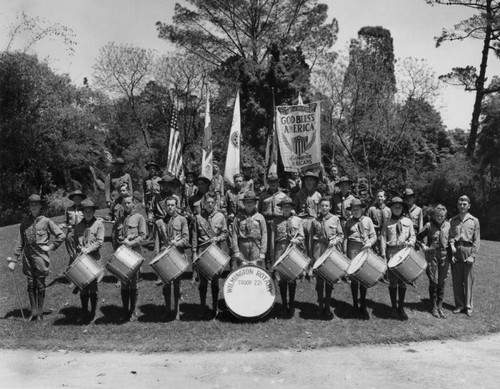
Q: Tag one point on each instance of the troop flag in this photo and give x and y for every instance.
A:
(174, 160)
(233, 146)
(207, 155)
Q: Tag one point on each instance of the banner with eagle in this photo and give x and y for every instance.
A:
(299, 136)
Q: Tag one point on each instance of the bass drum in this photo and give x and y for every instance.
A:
(249, 292)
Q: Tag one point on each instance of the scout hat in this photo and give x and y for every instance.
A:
(396, 200)
(343, 179)
(272, 177)
(312, 175)
(118, 161)
(356, 202)
(87, 203)
(408, 192)
(249, 196)
(34, 198)
(201, 177)
(152, 163)
(286, 200)
(169, 178)
(76, 193)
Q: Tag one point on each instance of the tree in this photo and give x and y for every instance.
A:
(217, 30)
(124, 71)
(49, 131)
(489, 137)
(27, 31)
(485, 26)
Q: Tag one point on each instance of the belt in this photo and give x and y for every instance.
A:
(463, 243)
(398, 247)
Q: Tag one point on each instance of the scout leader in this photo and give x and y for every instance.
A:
(287, 230)
(131, 231)
(397, 233)
(33, 248)
(174, 232)
(359, 235)
(326, 233)
(88, 239)
(464, 241)
(249, 234)
(209, 228)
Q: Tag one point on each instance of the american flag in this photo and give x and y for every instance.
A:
(174, 161)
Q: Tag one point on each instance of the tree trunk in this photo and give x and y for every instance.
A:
(474, 126)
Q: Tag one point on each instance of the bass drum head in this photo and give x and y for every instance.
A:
(249, 292)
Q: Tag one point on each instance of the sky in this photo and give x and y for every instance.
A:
(413, 25)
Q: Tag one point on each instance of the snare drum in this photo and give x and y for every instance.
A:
(249, 292)
(169, 264)
(83, 271)
(332, 265)
(291, 264)
(367, 268)
(211, 262)
(408, 264)
(125, 263)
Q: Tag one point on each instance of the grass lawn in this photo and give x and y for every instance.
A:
(303, 331)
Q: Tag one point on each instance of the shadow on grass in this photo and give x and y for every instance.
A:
(424, 305)
(308, 311)
(382, 311)
(151, 313)
(149, 276)
(16, 313)
(344, 310)
(109, 279)
(111, 314)
(60, 279)
(70, 316)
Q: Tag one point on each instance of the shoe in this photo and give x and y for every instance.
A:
(133, 317)
(364, 313)
(469, 312)
(441, 313)
(458, 310)
(402, 314)
(435, 312)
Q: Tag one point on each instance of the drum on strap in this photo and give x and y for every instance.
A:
(367, 268)
(408, 264)
(249, 292)
(291, 263)
(83, 270)
(169, 264)
(212, 261)
(332, 265)
(125, 263)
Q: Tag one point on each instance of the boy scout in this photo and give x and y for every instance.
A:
(33, 248)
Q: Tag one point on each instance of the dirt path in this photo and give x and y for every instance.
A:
(446, 364)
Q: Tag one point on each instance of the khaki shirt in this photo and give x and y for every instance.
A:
(250, 228)
(268, 204)
(438, 236)
(89, 235)
(360, 230)
(73, 216)
(466, 231)
(379, 215)
(208, 229)
(307, 204)
(132, 226)
(113, 182)
(36, 232)
(326, 229)
(397, 232)
(150, 188)
(417, 217)
(341, 203)
(174, 228)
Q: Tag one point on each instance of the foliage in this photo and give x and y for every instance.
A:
(485, 26)
(50, 133)
(247, 29)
